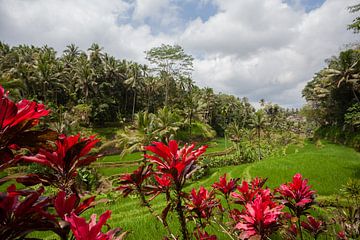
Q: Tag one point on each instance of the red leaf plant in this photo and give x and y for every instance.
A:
(20, 217)
(291, 232)
(177, 163)
(199, 235)
(247, 192)
(260, 218)
(65, 205)
(71, 153)
(202, 202)
(130, 182)
(297, 195)
(341, 235)
(16, 121)
(224, 186)
(313, 227)
(91, 230)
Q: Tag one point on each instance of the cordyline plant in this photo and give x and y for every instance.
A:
(25, 211)
(298, 197)
(253, 211)
(17, 122)
(70, 154)
(20, 217)
(172, 168)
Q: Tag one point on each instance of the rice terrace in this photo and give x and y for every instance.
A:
(168, 119)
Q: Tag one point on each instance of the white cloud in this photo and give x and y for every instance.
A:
(272, 61)
(254, 48)
(161, 11)
(58, 23)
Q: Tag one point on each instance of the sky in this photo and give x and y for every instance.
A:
(249, 48)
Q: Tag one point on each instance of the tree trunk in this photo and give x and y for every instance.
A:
(181, 216)
(190, 122)
(259, 148)
(166, 91)
(133, 108)
(356, 97)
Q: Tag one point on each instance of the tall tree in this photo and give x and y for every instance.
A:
(170, 62)
(259, 124)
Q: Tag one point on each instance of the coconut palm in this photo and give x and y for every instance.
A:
(259, 124)
(134, 138)
(346, 70)
(85, 78)
(167, 123)
(134, 82)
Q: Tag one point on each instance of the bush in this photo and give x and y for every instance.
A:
(339, 135)
(228, 160)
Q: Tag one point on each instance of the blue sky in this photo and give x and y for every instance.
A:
(308, 5)
(189, 10)
(250, 48)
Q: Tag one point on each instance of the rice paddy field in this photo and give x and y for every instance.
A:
(327, 169)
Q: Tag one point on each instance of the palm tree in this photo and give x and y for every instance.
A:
(95, 56)
(85, 78)
(134, 81)
(167, 123)
(134, 139)
(46, 72)
(259, 124)
(346, 70)
(235, 134)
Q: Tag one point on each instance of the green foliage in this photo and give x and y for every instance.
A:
(335, 88)
(228, 160)
(340, 135)
(351, 188)
(199, 131)
(318, 143)
(88, 178)
(352, 116)
(355, 25)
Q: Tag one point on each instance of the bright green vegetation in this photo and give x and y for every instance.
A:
(218, 145)
(109, 171)
(328, 168)
(127, 158)
(215, 145)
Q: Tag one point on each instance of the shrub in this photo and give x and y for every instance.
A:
(228, 160)
(339, 135)
(25, 211)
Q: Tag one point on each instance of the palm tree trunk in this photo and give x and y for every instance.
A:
(133, 108)
(166, 91)
(259, 148)
(190, 122)
(125, 106)
(356, 97)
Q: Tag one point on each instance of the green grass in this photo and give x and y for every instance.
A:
(127, 158)
(109, 171)
(215, 145)
(327, 168)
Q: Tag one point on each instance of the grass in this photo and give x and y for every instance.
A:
(327, 169)
(215, 145)
(127, 158)
(109, 171)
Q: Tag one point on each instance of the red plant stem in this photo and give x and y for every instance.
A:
(300, 231)
(227, 202)
(180, 212)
